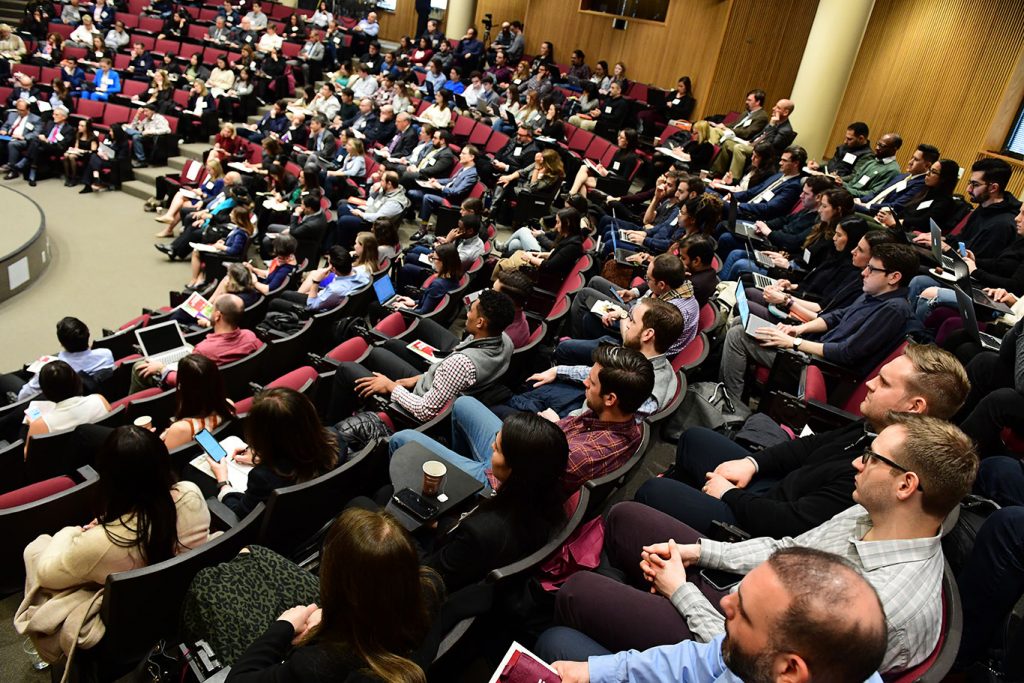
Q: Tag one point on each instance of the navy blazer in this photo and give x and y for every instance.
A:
(459, 185)
(781, 203)
(896, 199)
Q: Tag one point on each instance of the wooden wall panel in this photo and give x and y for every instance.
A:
(937, 72)
(502, 10)
(686, 44)
(762, 48)
(401, 22)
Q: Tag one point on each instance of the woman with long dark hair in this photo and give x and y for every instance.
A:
(528, 461)
(566, 247)
(142, 517)
(621, 166)
(934, 202)
(286, 443)
(201, 401)
(376, 605)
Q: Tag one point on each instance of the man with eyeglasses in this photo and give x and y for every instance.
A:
(857, 337)
(908, 480)
(789, 488)
(777, 194)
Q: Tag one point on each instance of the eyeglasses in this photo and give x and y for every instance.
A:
(976, 183)
(866, 456)
(874, 269)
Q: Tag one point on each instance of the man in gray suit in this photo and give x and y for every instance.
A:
(748, 127)
(21, 126)
(778, 133)
(321, 145)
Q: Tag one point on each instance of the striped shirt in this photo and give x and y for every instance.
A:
(907, 574)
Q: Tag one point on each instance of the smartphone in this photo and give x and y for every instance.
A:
(209, 443)
(720, 580)
(963, 250)
(618, 298)
(416, 505)
(470, 298)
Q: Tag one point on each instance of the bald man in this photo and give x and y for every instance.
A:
(778, 133)
(801, 615)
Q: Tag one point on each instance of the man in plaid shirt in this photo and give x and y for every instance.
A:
(915, 473)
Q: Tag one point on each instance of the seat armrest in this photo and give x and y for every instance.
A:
(221, 516)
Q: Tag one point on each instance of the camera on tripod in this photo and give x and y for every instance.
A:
(488, 21)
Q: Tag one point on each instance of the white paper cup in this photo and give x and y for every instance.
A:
(433, 477)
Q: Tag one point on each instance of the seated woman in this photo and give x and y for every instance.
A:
(552, 126)
(287, 445)
(833, 206)
(238, 281)
(239, 101)
(565, 251)
(233, 246)
(160, 94)
(935, 202)
(228, 145)
(354, 167)
(389, 244)
(447, 266)
(375, 608)
(143, 517)
(439, 114)
(48, 52)
(197, 112)
(833, 284)
(201, 401)
(113, 150)
(623, 163)
(523, 466)
(281, 266)
(465, 236)
(543, 175)
(76, 158)
(185, 197)
(62, 387)
(365, 256)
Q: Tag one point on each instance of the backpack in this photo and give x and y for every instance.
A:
(278, 323)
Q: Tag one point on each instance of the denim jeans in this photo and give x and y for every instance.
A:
(474, 427)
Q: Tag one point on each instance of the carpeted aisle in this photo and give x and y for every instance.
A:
(104, 269)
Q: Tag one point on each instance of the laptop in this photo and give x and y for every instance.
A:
(619, 253)
(742, 228)
(511, 118)
(762, 281)
(980, 298)
(460, 102)
(970, 318)
(430, 89)
(758, 257)
(945, 261)
(750, 321)
(163, 342)
(385, 290)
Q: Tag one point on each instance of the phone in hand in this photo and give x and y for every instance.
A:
(208, 442)
(416, 505)
(963, 250)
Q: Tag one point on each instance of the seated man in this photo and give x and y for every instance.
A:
(227, 342)
(656, 237)
(145, 123)
(747, 128)
(790, 488)
(663, 206)
(777, 194)
(472, 366)
(915, 473)
(514, 156)
(856, 149)
(650, 327)
(601, 438)
(857, 337)
(802, 612)
(324, 288)
(445, 192)
(308, 226)
(431, 159)
(73, 336)
(902, 187)
(873, 173)
(386, 199)
(697, 252)
(735, 152)
(666, 277)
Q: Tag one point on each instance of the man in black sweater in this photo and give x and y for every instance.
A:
(792, 487)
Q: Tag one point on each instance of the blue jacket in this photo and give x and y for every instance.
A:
(113, 82)
(235, 243)
(861, 335)
(434, 292)
(781, 203)
(896, 199)
(454, 86)
(76, 78)
(662, 235)
(459, 185)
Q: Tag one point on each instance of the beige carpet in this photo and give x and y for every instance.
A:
(104, 269)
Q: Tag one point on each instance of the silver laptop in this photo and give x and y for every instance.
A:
(945, 261)
(762, 281)
(163, 342)
(750, 321)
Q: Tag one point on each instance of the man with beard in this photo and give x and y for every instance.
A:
(914, 473)
(801, 615)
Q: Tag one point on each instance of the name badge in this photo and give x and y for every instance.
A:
(517, 151)
(675, 101)
(863, 181)
(431, 162)
(675, 221)
(766, 196)
(925, 204)
(59, 137)
(807, 255)
(849, 158)
(615, 166)
(607, 110)
(369, 64)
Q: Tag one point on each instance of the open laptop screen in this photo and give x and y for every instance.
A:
(159, 338)
(384, 288)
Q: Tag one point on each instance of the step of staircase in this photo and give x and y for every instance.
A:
(149, 174)
(193, 150)
(138, 188)
(177, 163)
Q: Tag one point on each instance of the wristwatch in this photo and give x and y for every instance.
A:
(221, 484)
(797, 342)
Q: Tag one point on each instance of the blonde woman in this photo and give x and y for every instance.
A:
(232, 246)
(366, 255)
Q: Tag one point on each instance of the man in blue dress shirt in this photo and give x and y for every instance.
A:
(802, 615)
